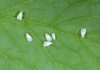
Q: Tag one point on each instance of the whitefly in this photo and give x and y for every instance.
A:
(20, 15)
(53, 36)
(47, 43)
(48, 37)
(29, 37)
(83, 32)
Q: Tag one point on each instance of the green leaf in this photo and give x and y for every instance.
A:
(64, 17)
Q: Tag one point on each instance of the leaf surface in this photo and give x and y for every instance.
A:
(63, 17)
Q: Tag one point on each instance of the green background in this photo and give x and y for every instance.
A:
(64, 17)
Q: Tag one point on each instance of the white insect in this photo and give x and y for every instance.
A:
(20, 16)
(48, 37)
(47, 43)
(83, 32)
(53, 36)
(29, 37)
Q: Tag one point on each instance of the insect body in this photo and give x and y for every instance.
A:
(29, 37)
(83, 32)
(53, 36)
(20, 16)
(48, 37)
(47, 43)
